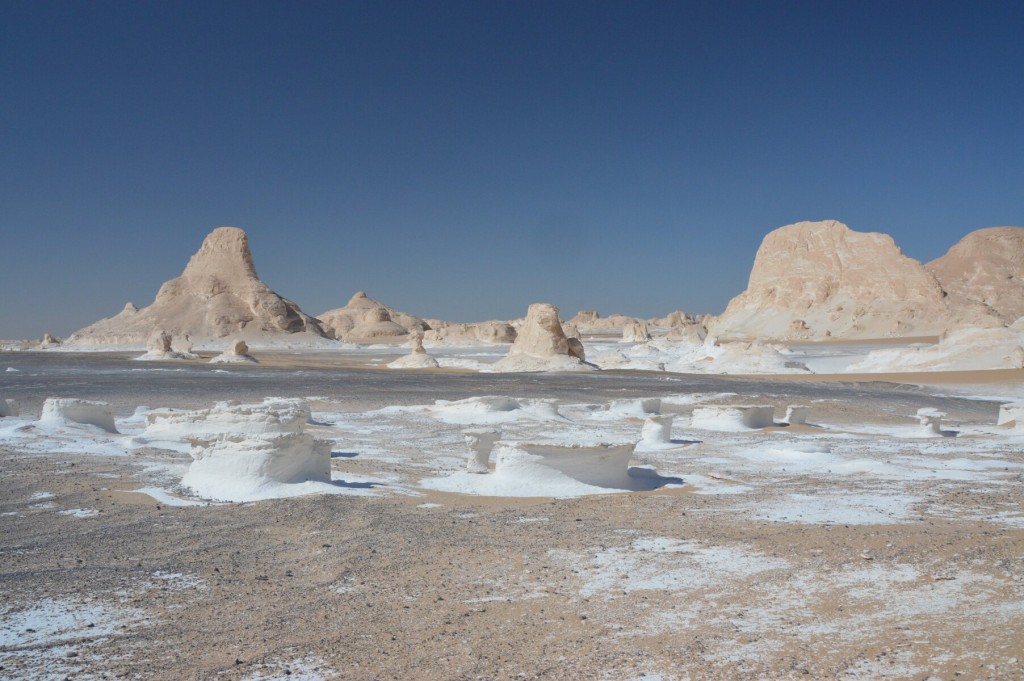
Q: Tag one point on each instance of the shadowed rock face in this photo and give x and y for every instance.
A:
(819, 279)
(984, 274)
(219, 294)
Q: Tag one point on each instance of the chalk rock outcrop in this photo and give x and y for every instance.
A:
(473, 332)
(158, 348)
(49, 341)
(218, 295)
(983, 276)
(418, 358)
(9, 407)
(968, 349)
(60, 411)
(244, 452)
(820, 279)
(364, 319)
(541, 345)
(636, 332)
(591, 323)
(236, 353)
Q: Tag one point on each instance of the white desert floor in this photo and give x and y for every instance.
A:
(857, 546)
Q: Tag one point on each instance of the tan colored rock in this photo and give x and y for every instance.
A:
(590, 322)
(218, 295)
(363, 311)
(237, 353)
(472, 332)
(542, 346)
(821, 279)
(636, 332)
(49, 341)
(983, 275)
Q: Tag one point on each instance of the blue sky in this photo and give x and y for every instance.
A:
(460, 160)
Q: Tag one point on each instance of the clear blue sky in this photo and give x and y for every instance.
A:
(463, 159)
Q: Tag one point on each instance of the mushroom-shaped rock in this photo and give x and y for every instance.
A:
(8, 407)
(733, 417)
(480, 443)
(796, 415)
(418, 358)
(657, 430)
(930, 420)
(237, 353)
(158, 347)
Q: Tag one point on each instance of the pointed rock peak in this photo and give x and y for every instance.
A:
(359, 295)
(224, 254)
(129, 308)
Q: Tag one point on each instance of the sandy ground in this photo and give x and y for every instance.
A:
(753, 570)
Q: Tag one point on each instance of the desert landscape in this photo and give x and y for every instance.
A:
(493, 341)
(824, 481)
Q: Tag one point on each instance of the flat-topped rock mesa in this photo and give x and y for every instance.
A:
(218, 295)
(820, 279)
(983, 275)
(366, 319)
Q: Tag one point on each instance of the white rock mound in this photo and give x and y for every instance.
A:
(218, 295)
(657, 430)
(245, 452)
(966, 349)
(365, 320)
(58, 411)
(821, 279)
(930, 421)
(49, 341)
(480, 443)
(541, 345)
(733, 417)
(983, 276)
(236, 353)
(1011, 414)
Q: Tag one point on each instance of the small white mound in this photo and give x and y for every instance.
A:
(494, 410)
(1011, 414)
(966, 349)
(709, 357)
(69, 411)
(480, 443)
(796, 415)
(733, 418)
(9, 407)
(237, 353)
(554, 470)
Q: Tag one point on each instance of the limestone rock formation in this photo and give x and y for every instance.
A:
(218, 295)
(158, 348)
(636, 332)
(820, 279)
(237, 353)
(49, 341)
(65, 411)
(474, 332)
(541, 345)
(365, 319)
(591, 323)
(983, 275)
(418, 358)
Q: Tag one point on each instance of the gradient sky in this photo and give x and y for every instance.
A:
(461, 160)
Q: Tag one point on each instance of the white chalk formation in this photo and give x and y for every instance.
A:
(242, 452)
(636, 332)
(49, 341)
(930, 421)
(9, 407)
(218, 295)
(541, 345)
(480, 443)
(59, 411)
(159, 348)
(1011, 414)
(797, 415)
(418, 358)
(970, 348)
(457, 333)
(236, 353)
(551, 467)
(657, 430)
(733, 417)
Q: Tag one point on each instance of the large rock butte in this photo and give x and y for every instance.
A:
(821, 279)
(541, 345)
(218, 295)
(983, 275)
